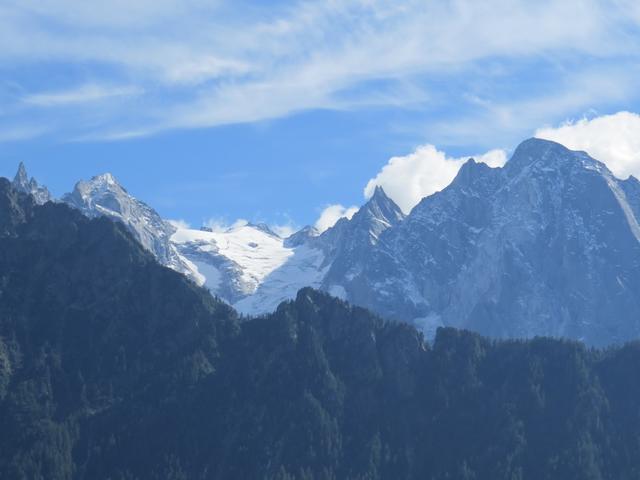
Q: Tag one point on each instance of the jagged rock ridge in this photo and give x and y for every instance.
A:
(24, 184)
(546, 245)
(102, 195)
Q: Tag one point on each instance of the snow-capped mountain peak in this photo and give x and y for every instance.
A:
(381, 208)
(303, 235)
(103, 195)
(263, 227)
(21, 178)
(366, 225)
(546, 245)
(23, 183)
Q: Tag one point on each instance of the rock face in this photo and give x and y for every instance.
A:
(254, 269)
(104, 196)
(24, 184)
(547, 245)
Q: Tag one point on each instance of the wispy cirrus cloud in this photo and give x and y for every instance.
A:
(88, 93)
(195, 63)
(25, 132)
(508, 116)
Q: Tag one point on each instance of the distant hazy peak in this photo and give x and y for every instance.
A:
(102, 182)
(105, 178)
(22, 183)
(380, 204)
(301, 236)
(469, 171)
(21, 177)
(263, 227)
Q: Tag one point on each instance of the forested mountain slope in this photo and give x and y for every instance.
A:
(112, 366)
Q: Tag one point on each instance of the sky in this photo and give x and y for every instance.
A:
(290, 113)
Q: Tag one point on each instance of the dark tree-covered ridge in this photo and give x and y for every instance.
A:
(113, 367)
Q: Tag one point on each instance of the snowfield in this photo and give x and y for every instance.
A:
(254, 260)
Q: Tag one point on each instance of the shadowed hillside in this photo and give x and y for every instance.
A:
(112, 366)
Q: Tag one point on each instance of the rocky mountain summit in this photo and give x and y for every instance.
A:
(102, 195)
(24, 184)
(547, 245)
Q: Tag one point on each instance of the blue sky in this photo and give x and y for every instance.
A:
(271, 111)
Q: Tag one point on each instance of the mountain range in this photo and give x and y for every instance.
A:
(546, 245)
(114, 367)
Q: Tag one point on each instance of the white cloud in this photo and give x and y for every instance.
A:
(409, 179)
(284, 230)
(204, 63)
(512, 118)
(110, 13)
(220, 225)
(612, 139)
(179, 223)
(331, 214)
(22, 132)
(494, 158)
(194, 71)
(82, 94)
